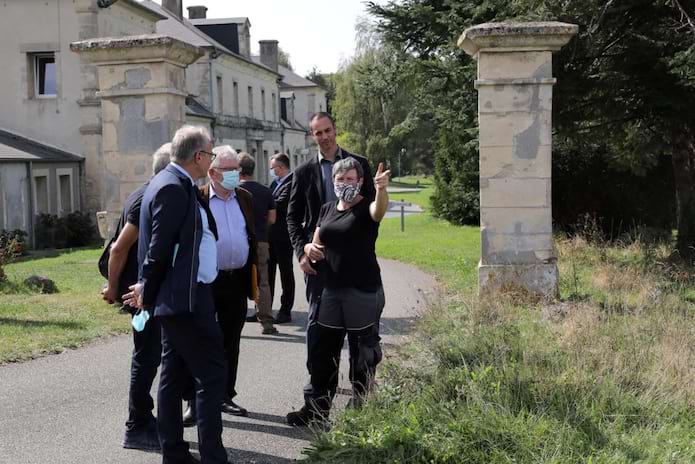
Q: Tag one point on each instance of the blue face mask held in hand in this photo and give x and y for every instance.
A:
(140, 319)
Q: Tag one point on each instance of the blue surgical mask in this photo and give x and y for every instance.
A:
(230, 179)
(272, 174)
(139, 320)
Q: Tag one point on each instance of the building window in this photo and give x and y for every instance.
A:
(236, 98)
(311, 105)
(283, 109)
(66, 202)
(41, 190)
(220, 100)
(44, 74)
(274, 107)
(263, 104)
(250, 102)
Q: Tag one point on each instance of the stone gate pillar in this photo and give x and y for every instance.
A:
(141, 85)
(514, 113)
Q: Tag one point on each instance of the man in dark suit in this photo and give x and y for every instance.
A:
(141, 427)
(178, 263)
(279, 237)
(232, 208)
(312, 187)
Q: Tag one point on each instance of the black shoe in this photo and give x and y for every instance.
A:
(270, 330)
(251, 318)
(230, 407)
(283, 317)
(190, 416)
(146, 440)
(305, 417)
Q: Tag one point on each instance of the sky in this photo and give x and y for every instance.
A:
(314, 33)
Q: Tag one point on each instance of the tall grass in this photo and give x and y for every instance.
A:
(606, 375)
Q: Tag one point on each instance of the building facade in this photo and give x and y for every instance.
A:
(50, 101)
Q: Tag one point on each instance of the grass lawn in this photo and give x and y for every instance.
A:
(606, 375)
(32, 324)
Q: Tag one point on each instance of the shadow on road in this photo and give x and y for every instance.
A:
(30, 323)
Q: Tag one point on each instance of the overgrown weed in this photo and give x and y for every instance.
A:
(607, 374)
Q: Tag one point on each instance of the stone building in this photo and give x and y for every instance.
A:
(49, 95)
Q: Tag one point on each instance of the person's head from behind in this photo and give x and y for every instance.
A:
(280, 165)
(161, 158)
(347, 179)
(191, 148)
(247, 165)
(323, 132)
(224, 170)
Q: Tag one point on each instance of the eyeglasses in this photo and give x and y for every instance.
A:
(212, 155)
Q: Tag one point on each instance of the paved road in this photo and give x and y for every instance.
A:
(70, 408)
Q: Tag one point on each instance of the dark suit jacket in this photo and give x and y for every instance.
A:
(307, 198)
(245, 200)
(278, 232)
(169, 240)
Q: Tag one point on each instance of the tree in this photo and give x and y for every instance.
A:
(325, 81)
(375, 105)
(625, 88)
(284, 59)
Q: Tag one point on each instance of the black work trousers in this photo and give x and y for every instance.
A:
(315, 339)
(147, 355)
(192, 346)
(281, 257)
(229, 294)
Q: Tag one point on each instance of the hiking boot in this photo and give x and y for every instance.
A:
(305, 417)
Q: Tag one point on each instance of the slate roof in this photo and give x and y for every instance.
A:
(195, 108)
(14, 147)
(290, 79)
(185, 31)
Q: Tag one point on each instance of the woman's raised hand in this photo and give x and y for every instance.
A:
(381, 179)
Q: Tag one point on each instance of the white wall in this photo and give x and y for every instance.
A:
(303, 109)
(244, 74)
(14, 192)
(50, 25)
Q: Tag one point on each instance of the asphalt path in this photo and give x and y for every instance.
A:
(71, 408)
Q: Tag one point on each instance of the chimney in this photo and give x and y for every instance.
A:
(197, 12)
(174, 7)
(244, 32)
(269, 53)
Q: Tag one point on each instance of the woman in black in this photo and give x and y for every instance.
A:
(353, 295)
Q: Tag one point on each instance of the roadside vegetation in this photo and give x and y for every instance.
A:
(33, 324)
(605, 375)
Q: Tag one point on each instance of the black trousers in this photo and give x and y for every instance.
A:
(325, 357)
(147, 355)
(230, 301)
(281, 257)
(192, 346)
(315, 343)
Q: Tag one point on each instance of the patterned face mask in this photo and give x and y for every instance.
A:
(346, 192)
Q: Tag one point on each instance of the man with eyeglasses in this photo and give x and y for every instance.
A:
(177, 257)
(232, 208)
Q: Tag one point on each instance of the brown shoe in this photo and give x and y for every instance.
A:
(270, 330)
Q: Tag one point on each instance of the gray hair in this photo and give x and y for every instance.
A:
(346, 164)
(161, 157)
(187, 141)
(247, 164)
(223, 152)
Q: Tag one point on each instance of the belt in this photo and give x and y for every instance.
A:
(229, 272)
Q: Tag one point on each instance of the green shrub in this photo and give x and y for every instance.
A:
(74, 230)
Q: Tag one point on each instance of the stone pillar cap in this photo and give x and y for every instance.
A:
(137, 48)
(510, 36)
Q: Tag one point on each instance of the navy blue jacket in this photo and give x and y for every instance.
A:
(170, 233)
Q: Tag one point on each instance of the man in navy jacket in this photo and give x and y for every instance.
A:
(177, 255)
